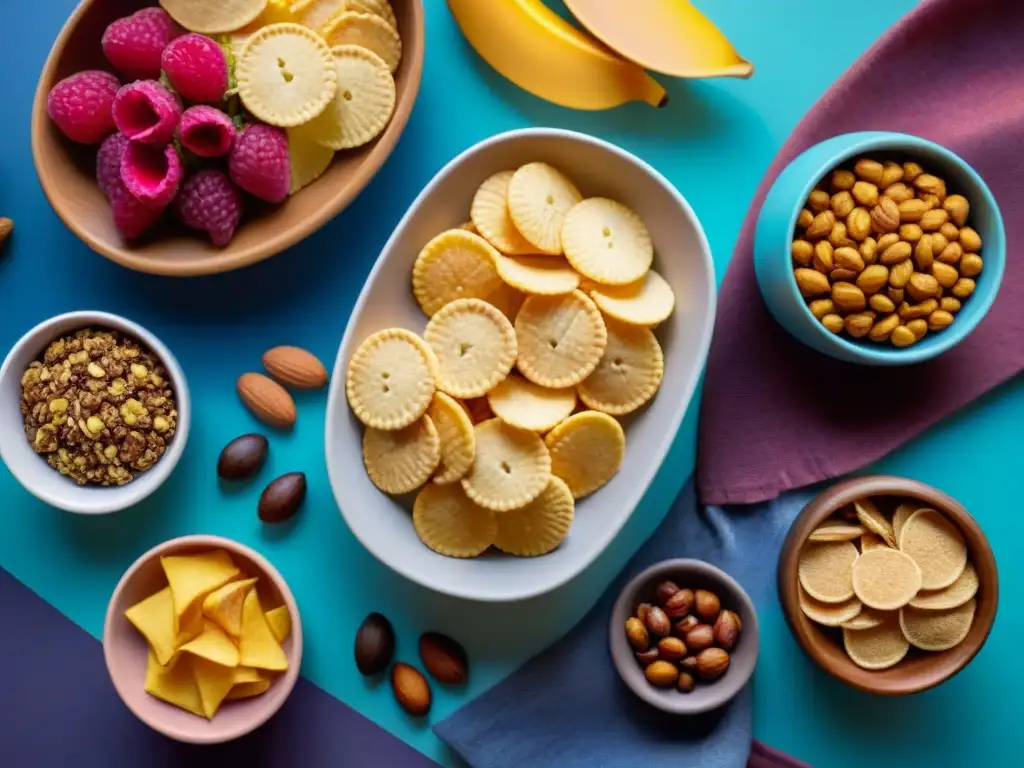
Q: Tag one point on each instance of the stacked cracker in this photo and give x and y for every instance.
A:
(543, 281)
(889, 581)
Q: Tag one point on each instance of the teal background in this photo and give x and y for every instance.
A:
(714, 142)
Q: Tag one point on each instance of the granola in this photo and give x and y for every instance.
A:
(99, 407)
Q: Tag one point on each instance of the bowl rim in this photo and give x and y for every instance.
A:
(632, 675)
(466, 591)
(850, 145)
(119, 497)
(845, 492)
(280, 240)
(288, 679)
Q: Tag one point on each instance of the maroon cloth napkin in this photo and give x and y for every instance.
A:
(777, 415)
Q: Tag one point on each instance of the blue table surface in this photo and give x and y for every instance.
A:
(714, 142)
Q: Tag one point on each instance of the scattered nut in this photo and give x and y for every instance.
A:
(642, 610)
(802, 252)
(682, 627)
(411, 689)
(281, 499)
(636, 632)
(958, 209)
(662, 674)
(680, 604)
(444, 658)
(706, 604)
(671, 649)
(821, 226)
(712, 663)
(657, 622)
(243, 457)
(375, 644)
(700, 637)
(726, 629)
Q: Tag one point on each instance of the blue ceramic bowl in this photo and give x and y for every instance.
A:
(777, 222)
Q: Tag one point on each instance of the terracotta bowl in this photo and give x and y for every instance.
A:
(126, 651)
(67, 170)
(919, 670)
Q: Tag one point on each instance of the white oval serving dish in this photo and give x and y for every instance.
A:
(683, 258)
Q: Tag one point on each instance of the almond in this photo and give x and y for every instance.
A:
(971, 265)
(873, 278)
(842, 203)
(945, 274)
(939, 319)
(444, 658)
(295, 367)
(881, 330)
(933, 219)
(932, 185)
(970, 240)
(267, 400)
(411, 689)
(848, 297)
(896, 253)
(882, 304)
(911, 171)
(958, 208)
(923, 254)
(859, 324)
(912, 210)
(848, 258)
(864, 192)
(899, 275)
(858, 223)
(822, 259)
(921, 286)
(810, 282)
(869, 170)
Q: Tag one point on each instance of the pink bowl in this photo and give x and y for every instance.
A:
(126, 650)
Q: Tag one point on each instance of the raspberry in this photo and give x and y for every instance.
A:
(259, 162)
(134, 44)
(197, 68)
(81, 105)
(152, 174)
(132, 217)
(146, 111)
(108, 162)
(209, 202)
(206, 131)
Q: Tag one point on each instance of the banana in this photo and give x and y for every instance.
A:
(540, 52)
(667, 36)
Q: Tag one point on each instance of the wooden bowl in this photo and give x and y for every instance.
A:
(67, 170)
(920, 670)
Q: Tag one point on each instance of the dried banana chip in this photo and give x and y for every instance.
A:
(936, 545)
(458, 440)
(308, 158)
(647, 302)
(878, 647)
(885, 579)
(937, 630)
(521, 403)
(953, 596)
(542, 275)
(825, 570)
(829, 614)
(491, 218)
(367, 31)
(213, 18)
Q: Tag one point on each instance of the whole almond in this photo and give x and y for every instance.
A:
(931, 185)
(810, 282)
(664, 591)
(683, 626)
(444, 658)
(822, 260)
(706, 605)
(923, 254)
(951, 254)
(873, 278)
(411, 689)
(899, 192)
(282, 498)
(267, 400)
(869, 170)
(881, 330)
(859, 324)
(858, 224)
(900, 274)
(958, 208)
(864, 192)
(933, 219)
(971, 265)
(636, 633)
(802, 252)
(912, 210)
(843, 180)
(842, 203)
(662, 674)
(712, 663)
(891, 173)
(911, 232)
(848, 258)
(944, 274)
(642, 610)
(805, 218)
(886, 240)
(295, 367)
(939, 319)
(911, 171)
(821, 226)
(671, 649)
(949, 304)
(375, 644)
(970, 240)
(921, 286)
(882, 304)
(918, 327)
(848, 297)
(657, 622)
(886, 215)
(896, 253)
(700, 637)
(819, 201)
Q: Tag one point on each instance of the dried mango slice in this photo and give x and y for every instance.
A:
(521, 403)
(193, 577)
(512, 467)
(629, 373)
(390, 380)
(213, 18)
(368, 31)
(539, 197)
(607, 242)
(647, 302)
(154, 618)
(455, 264)
(280, 621)
(491, 218)
(450, 524)
(539, 527)
(587, 450)
(224, 606)
(258, 647)
(475, 346)
(248, 690)
(213, 681)
(214, 645)
(174, 683)
(458, 439)
(286, 75)
(363, 103)
(878, 647)
(543, 275)
(561, 339)
(401, 460)
(309, 159)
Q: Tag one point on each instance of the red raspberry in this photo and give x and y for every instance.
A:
(259, 162)
(81, 105)
(134, 44)
(108, 162)
(152, 174)
(197, 68)
(146, 111)
(132, 217)
(206, 131)
(209, 202)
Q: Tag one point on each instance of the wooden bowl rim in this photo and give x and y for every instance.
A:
(810, 636)
(228, 260)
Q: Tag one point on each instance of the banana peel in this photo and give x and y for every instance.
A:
(667, 36)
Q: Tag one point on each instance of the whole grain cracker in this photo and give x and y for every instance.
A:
(873, 519)
(539, 527)
(512, 467)
(936, 545)
(363, 104)
(475, 347)
(885, 579)
(868, 618)
(878, 647)
(561, 339)
(539, 196)
(458, 440)
(368, 31)
(607, 242)
(953, 596)
(544, 275)
(587, 450)
(492, 220)
(648, 302)
(391, 379)
(825, 570)
(902, 514)
(401, 460)
(455, 264)
(828, 614)
(836, 530)
(209, 18)
(521, 403)
(629, 373)
(933, 630)
(450, 524)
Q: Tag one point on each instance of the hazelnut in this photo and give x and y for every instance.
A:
(706, 605)
(685, 683)
(738, 620)
(664, 591)
(700, 637)
(683, 626)
(662, 674)
(636, 632)
(726, 630)
(712, 663)
(680, 604)
(657, 622)
(671, 649)
(642, 611)
(647, 657)
(689, 664)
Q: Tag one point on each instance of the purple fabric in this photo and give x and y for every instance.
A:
(59, 708)
(777, 415)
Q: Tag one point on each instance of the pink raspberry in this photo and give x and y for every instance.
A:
(197, 68)
(146, 111)
(108, 162)
(132, 217)
(134, 44)
(81, 105)
(206, 131)
(209, 202)
(152, 174)
(259, 162)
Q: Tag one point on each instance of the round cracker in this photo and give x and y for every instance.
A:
(491, 218)
(902, 514)
(458, 440)
(521, 403)
(936, 545)
(539, 527)
(879, 647)
(629, 373)
(648, 302)
(363, 104)
(380, 8)
(885, 579)
(872, 518)
(836, 530)
(213, 18)
(868, 618)
(286, 75)
(543, 275)
(475, 346)
(561, 339)
(401, 460)
(512, 467)
(450, 524)
(539, 196)
(455, 264)
(953, 596)
(828, 614)
(391, 379)
(825, 570)
(368, 31)
(937, 630)
(587, 450)
(607, 241)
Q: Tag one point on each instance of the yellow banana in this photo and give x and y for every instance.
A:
(540, 52)
(667, 36)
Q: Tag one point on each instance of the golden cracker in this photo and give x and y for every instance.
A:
(539, 196)
(455, 264)
(561, 339)
(475, 347)
(879, 647)
(539, 527)
(607, 242)
(872, 518)
(368, 31)
(543, 275)
(868, 618)
(885, 579)
(209, 18)
(828, 614)
(450, 524)
(521, 403)
(380, 8)
(953, 596)
(363, 104)
(512, 467)
(836, 530)
(936, 545)
(629, 373)
(902, 514)
(825, 570)
(492, 220)
(458, 440)
(401, 460)
(587, 450)
(647, 302)
(937, 630)
(391, 379)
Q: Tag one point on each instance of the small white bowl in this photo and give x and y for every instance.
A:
(683, 258)
(31, 469)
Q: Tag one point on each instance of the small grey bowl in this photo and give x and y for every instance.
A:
(691, 574)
